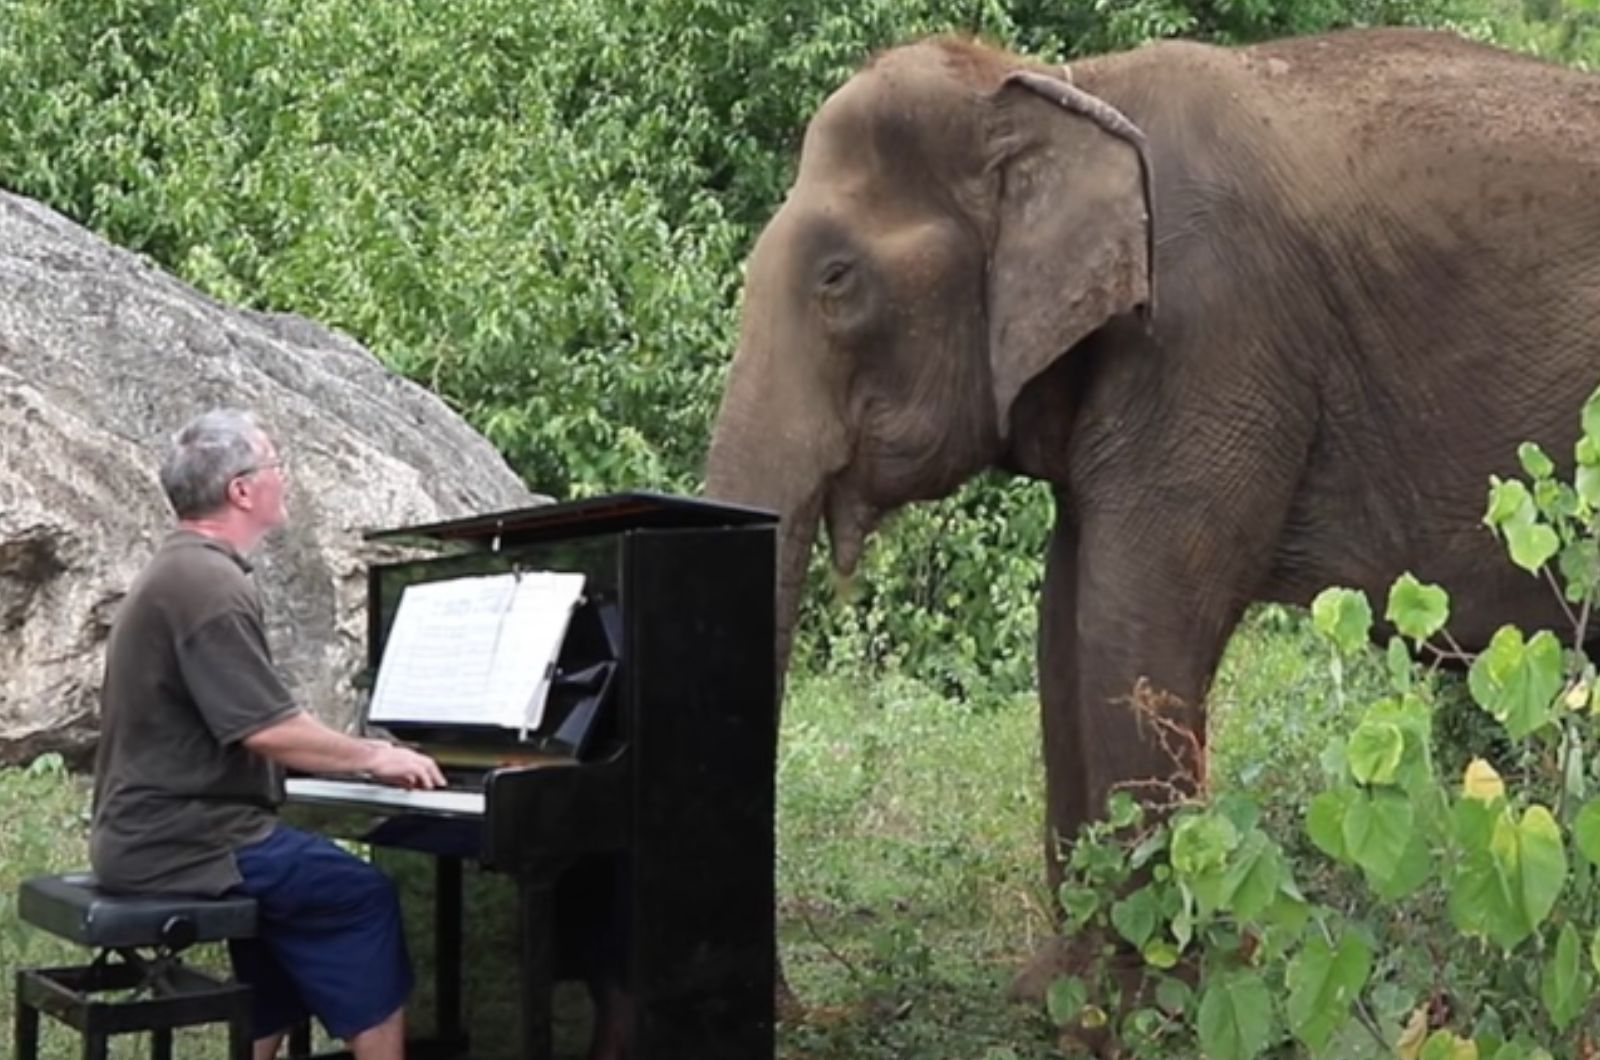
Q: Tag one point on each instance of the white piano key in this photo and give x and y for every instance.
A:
(356, 792)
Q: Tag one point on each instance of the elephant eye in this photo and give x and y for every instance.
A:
(834, 273)
(844, 295)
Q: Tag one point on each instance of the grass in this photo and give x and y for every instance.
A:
(910, 859)
(910, 872)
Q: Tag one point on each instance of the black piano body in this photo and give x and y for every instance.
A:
(645, 796)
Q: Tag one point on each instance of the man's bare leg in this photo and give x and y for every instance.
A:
(266, 1048)
(386, 1041)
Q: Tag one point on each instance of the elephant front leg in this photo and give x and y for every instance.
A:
(1066, 786)
(1110, 616)
(1066, 789)
(1128, 626)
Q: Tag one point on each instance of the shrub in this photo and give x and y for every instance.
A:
(1436, 917)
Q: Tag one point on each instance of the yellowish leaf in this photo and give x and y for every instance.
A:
(1460, 1048)
(1409, 1047)
(1481, 782)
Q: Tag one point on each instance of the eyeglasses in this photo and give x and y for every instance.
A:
(281, 464)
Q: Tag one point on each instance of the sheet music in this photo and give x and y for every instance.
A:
(475, 650)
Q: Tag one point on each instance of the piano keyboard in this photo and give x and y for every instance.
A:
(360, 792)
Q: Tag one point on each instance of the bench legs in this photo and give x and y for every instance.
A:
(239, 1040)
(26, 1020)
(67, 994)
(300, 1039)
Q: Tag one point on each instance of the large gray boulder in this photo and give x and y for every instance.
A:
(102, 356)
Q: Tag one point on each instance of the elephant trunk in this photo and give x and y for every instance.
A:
(797, 532)
(733, 474)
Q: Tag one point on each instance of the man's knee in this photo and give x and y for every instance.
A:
(362, 885)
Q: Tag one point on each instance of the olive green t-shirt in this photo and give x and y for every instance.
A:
(188, 676)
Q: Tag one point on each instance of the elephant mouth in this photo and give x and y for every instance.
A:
(850, 519)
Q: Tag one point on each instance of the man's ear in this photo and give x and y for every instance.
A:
(1072, 245)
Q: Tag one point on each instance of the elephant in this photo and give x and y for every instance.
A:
(1265, 319)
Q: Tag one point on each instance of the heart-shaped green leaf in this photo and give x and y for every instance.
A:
(1413, 870)
(1065, 999)
(1377, 830)
(1534, 461)
(1505, 891)
(1446, 1045)
(1418, 611)
(1531, 545)
(1235, 1017)
(1538, 857)
(1201, 843)
(1586, 831)
(1343, 616)
(1579, 569)
(1160, 953)
(1135, 916)
(1374, 752)
(1510, 504)
(1591, 416)
(1251, 880)
(1325, 821)
(1323, 982)
(1587, 481)
(1518, 682)
(1564, 985)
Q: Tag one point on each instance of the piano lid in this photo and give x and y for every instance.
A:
(582, 518)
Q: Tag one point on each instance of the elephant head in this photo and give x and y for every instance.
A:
(959, 221)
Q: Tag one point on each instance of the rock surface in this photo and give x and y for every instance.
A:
(102, 357)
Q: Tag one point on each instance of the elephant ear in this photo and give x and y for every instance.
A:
(1073, 244)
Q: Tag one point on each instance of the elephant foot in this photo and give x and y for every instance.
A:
(1058, 956)
(1119, 973)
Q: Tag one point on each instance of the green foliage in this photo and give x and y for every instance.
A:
(1485, 893)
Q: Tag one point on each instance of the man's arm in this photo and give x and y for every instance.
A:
(302, 742)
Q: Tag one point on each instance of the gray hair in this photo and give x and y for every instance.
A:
(209, 452)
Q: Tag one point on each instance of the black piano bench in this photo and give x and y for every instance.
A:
(139, 941)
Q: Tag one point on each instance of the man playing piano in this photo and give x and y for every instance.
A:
(196, 728)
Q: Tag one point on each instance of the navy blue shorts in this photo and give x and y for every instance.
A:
(329, 941)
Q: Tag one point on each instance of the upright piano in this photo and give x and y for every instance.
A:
(637, 818)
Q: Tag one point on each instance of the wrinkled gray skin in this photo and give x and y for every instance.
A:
(1377, 271)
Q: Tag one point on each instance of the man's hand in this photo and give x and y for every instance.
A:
(302, 742)
(403, 767)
